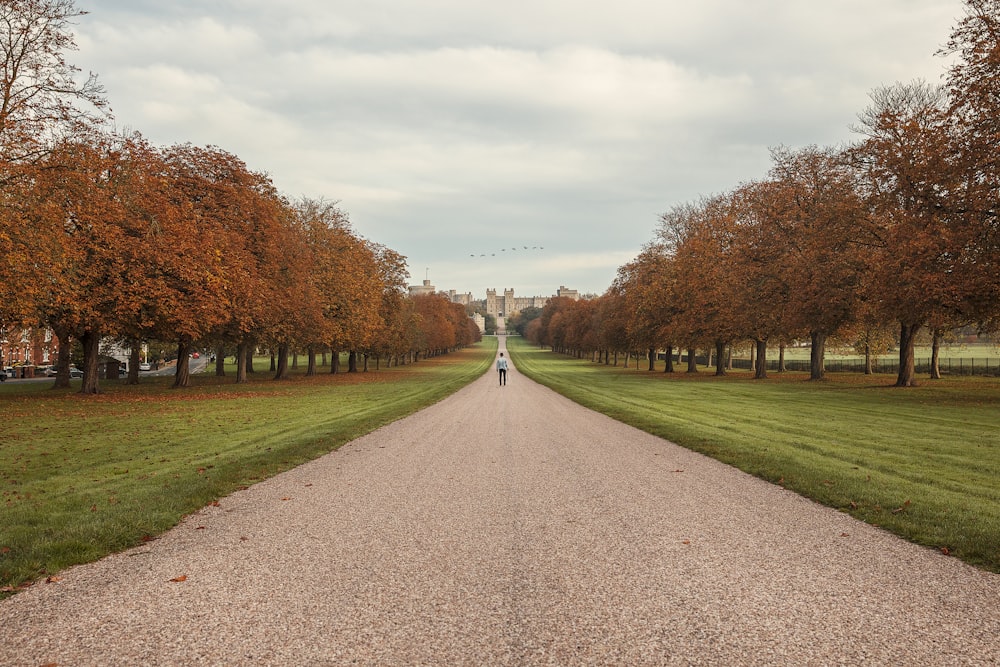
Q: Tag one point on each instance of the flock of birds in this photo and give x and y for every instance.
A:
(493, 254)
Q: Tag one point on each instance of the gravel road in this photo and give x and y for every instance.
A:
(508, 526)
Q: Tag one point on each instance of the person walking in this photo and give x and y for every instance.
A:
(502, 369)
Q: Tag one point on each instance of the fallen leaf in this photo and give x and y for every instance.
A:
(686, 542)
(93, 508)
(286, 498)
(946, 551)
(214, 503)
(845, 534)
(854, 505)
(308, 484)
(678, 471)
(244, 539)
(901, 508)
(52, 580)
(200, 528)
(4, 550)
(179, 579)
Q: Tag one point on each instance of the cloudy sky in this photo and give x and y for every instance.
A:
(455, 131)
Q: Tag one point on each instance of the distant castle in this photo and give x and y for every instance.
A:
(508, 304)
(497, 305)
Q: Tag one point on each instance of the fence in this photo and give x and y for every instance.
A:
(947, 366)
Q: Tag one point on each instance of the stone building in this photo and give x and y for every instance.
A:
(422, 290)
(507, 304)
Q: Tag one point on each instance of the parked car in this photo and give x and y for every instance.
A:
(75, 372)
(145, 366)
(50, 371)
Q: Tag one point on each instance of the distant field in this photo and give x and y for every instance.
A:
(922, 462)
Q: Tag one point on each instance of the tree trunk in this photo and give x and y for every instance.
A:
(134, 358)
(692, 360)
(295, 360)
(220, 361)
(352, 361)
(249, 357)
(274, 362)
(335, 362)
(241, 363)
(91, 341)
(62, 361)
(753, 357)
(311, 363)
(720, 356)
(668, 367)
(907, 337)
(652, 358)
(935, 355)
(364, 364)
(868, 359)
(280, 362)
(182, 372)
(761, 367)
(817, 355)
(781, 358)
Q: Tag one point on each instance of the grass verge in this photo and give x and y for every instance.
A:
(923, 463)
(85, 476)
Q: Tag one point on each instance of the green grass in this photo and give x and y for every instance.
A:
(923, 463)
(85, 476)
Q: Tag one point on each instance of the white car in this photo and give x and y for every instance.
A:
(145, 366)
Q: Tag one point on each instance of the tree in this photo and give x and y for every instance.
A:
(40, 99)
(214, 288)
(650, 301)
(973, 120)
(824, 233)
(763, 295)
(703, 238)
(907, 175)
(520, 321)
(91, 224)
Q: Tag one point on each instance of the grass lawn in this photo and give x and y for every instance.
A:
(85, 476)
(923, 462)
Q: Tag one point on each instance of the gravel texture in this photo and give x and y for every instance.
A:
(509, 526)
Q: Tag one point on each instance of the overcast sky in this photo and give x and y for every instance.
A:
(453, 129)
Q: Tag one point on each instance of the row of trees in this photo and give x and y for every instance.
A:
(103, 235)
(900, 229)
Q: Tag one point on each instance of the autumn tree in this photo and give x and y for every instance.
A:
(650, 302)
(907, 174)
(822, 226)
(215, 291)
(701, 238)
(91, 220)
(763, 293)
(973, 120)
